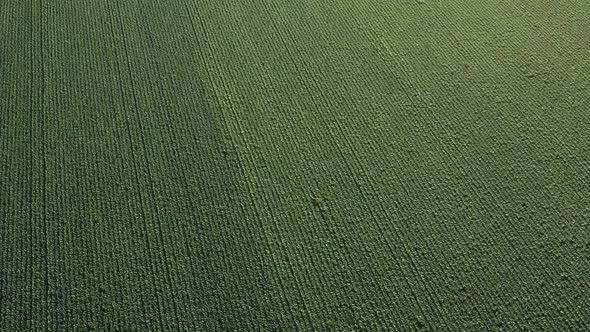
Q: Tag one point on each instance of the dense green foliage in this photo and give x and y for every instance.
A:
(291, 165)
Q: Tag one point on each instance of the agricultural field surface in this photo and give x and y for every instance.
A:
(294, 165)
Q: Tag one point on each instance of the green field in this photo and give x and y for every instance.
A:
(283, 165)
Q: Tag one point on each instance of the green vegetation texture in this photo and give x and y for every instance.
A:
(269, 165)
